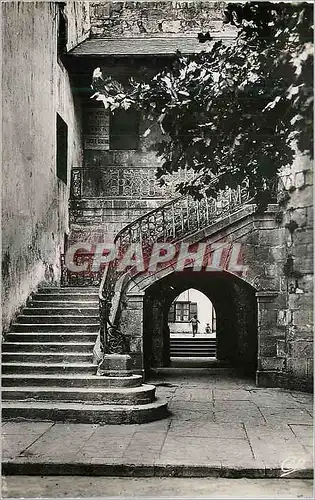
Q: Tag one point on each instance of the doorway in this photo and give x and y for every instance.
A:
(192, 326)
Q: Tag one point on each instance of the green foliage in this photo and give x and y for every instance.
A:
(235, 110)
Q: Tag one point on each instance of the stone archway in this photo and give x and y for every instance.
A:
(235, 304)
(238, 298)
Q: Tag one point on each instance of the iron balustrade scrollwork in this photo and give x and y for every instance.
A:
(168, 223)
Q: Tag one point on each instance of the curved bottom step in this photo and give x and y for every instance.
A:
(143, 394)
(84, 413)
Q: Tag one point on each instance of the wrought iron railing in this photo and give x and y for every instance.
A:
(169, 223)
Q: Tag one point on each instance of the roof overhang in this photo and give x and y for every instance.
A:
(143, 46)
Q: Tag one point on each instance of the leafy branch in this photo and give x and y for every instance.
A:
(233, 110)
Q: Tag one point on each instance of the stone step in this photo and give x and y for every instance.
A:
(47, 347)
(78, 296)
(192, 351)
(192, 347)
(197, 345)
(76, 304)
(65, 318)
(193, 355)
(122, 396)
(55, 327)
(30, 336)
(193, 341)
(54, 357)
(61, 311)
(69, 380)
(37, 368)
(84, 413)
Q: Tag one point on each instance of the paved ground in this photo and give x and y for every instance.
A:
(219, 426)
(156, 487)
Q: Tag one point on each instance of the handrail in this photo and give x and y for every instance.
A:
(163, 206)
(147, 214)
(102, 309)
(156, 225)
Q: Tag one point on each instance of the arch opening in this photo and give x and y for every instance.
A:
(192, 327)
(235, 311)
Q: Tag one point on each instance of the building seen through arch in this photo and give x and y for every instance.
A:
(192, 306)
(185, 307)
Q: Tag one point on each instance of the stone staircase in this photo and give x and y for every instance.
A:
(48, 371)
(192, 347)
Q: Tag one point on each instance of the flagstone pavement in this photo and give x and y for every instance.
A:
(219, 425)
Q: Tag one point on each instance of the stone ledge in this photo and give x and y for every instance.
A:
(142, 46)
(267, 295)
(31, 468)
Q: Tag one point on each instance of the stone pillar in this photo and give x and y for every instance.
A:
(116, 365)
(271, 341)
(131, 325)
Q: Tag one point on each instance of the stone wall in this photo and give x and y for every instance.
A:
(285, 319)
(297, 316)
(34, 201)
(77, 16)
(156, 18)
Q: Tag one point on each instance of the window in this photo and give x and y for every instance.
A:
(182, 311)
(124, 129)
(62, 149)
